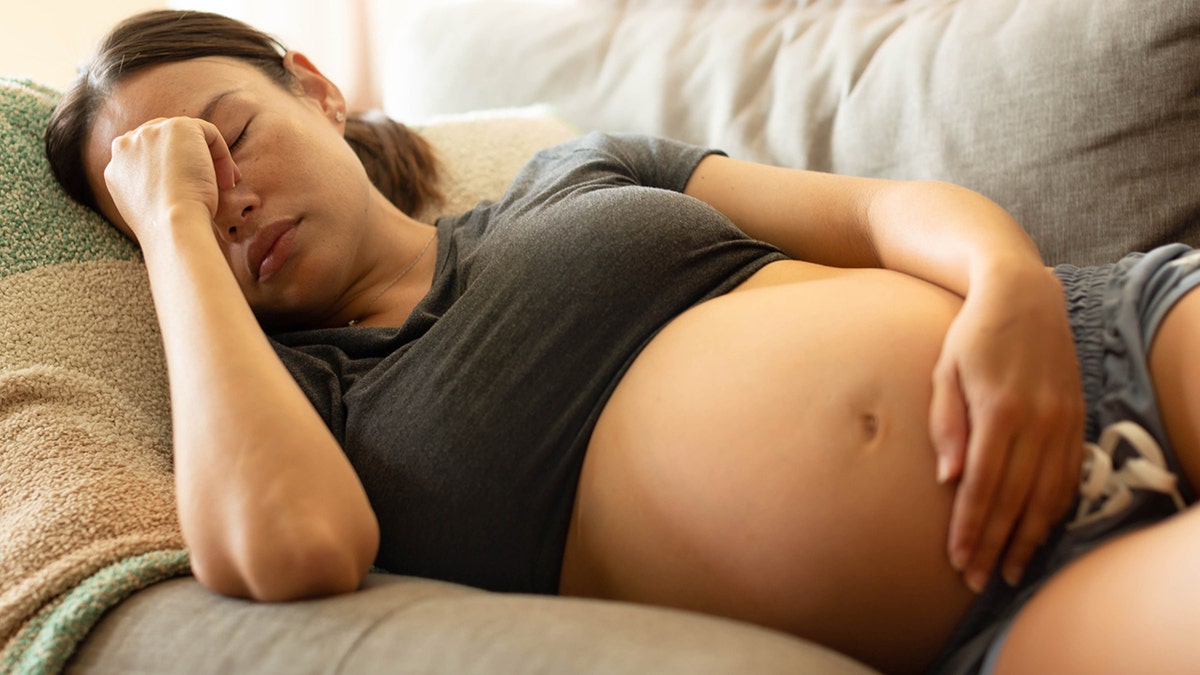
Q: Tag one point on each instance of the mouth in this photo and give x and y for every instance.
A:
(271, 248)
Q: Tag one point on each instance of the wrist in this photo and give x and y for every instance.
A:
(1007, 270)
(1031, 292)
(179, 224)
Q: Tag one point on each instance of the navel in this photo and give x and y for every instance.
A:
(870, 425)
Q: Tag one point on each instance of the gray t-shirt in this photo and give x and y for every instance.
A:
(468, 424)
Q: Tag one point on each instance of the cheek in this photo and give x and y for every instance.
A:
(308, 168)
(315, 168)
(338, 161)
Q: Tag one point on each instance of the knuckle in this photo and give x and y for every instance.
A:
(1010, 507)
(944, 431)
(970, 528)
(1056, 407)
(988, 549)
(975, 488)
(1005, 407)
(1034, 525)
(1027, 541)
(1008, 504)
(1020, 551)
(943, 373)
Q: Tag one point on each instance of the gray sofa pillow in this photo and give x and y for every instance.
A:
(1082, 117)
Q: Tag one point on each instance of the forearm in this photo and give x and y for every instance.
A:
(948, 235)
(269, 505)
(944, 234)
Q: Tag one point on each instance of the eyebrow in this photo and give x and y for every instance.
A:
(211, 106)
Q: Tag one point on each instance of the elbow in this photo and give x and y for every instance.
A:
(308, 571)
(310, 566)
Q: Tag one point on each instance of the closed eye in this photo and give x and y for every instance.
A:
(241, 137)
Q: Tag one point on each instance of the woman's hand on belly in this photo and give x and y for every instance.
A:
(1007, 421)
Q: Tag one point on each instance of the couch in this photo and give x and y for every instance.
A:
(1082, 117)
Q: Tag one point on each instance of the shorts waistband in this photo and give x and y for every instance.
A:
(1084, 290)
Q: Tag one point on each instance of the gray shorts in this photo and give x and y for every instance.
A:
(1115, 312)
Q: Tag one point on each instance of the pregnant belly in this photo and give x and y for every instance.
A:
(767, 457)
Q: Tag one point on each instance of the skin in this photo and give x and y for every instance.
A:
(270, 507)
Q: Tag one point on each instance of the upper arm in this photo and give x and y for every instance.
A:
(812, 216)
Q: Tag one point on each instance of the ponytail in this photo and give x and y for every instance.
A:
(398, 161)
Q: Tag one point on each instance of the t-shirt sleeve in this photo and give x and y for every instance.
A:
(651, 161)
(606, 159)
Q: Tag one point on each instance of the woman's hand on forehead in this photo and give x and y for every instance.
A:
(165, 164)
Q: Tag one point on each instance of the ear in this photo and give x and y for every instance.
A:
(317, 87)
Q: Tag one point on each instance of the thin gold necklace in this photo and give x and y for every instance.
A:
(395, 279)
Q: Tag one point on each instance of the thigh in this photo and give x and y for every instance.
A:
(1175, 368)
(1130, 606)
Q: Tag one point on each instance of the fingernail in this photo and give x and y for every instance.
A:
(1012, 576)
(976, 580)
(958, 559)
(943, 470)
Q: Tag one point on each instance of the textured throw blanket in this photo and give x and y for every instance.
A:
(87, 511)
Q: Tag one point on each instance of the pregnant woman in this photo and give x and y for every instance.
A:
(849, 409)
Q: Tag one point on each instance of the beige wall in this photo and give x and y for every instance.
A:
(45, 39)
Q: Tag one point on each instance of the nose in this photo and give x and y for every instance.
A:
(236, 208)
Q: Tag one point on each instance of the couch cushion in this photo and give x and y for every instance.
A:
(1080, 117)
(481, 151)
(406, 625)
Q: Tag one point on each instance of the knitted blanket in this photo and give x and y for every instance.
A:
(87, 510)
(85, 470)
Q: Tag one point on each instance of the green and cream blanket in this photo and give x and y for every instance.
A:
(87, 511)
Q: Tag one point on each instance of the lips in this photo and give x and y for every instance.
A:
(270, 248)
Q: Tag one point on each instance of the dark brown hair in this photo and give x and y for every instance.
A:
(398, 161)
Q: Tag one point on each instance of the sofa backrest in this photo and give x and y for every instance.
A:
(1082, 117)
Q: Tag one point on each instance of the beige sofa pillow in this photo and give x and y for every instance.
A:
(1082, 117)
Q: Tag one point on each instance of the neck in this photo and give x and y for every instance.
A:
(397, 271)
(395, 281)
